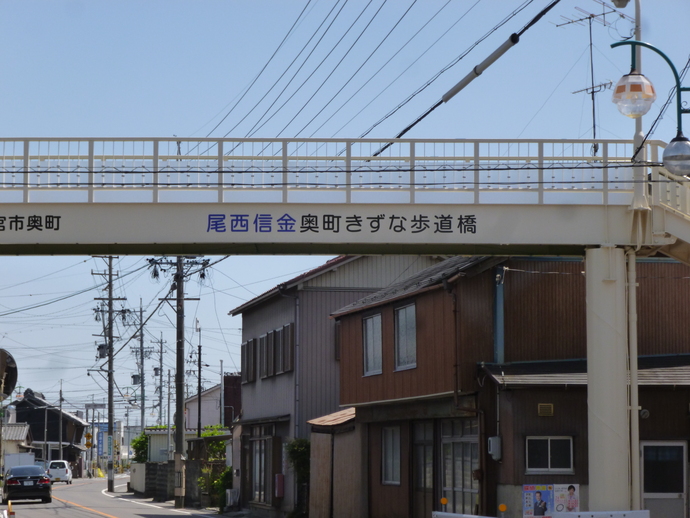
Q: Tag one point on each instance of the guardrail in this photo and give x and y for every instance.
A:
(305, 170)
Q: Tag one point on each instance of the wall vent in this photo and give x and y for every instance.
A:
(545, 409)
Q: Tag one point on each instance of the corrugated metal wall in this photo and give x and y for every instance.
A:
(663, 307)
(318, 371)
(373, 271)
(544, 310)
(271, 396)
(519, 419)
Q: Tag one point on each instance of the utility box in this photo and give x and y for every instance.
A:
(495, 447)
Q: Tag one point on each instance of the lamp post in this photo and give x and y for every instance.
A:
(634, 95)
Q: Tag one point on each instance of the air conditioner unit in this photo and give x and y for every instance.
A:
(495, 447)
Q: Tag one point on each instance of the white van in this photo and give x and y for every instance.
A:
(58, 471)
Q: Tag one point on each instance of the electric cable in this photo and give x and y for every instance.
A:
(290, 66)
(262, 69)
(395, 80)
(252, 131)
(424, 115)
(447, 67)
(371, 54)
(400, 49)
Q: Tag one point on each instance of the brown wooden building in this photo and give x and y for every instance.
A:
(469, 381)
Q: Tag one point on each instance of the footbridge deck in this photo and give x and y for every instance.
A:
(248, 196)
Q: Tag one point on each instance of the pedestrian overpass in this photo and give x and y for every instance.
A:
(331, 196)
(328, 196)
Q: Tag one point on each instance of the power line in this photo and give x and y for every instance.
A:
(298, 89)
(289, 66)
(262, 70)
(360, 66)
(447, 67)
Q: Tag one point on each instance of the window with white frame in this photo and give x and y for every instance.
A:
(390, 455)
(549, 454)
(405, 337)
(372, 345)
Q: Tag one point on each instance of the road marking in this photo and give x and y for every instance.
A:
(84, 507)
(105, 492)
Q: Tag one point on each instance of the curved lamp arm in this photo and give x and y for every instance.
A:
(633, 62)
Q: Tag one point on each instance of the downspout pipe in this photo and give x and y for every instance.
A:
(499, 316)
(634, 392)
(456, 367)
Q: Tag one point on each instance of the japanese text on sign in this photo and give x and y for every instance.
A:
(312, 223)
(29, 223)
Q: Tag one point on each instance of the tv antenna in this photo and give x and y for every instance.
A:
(587, 20)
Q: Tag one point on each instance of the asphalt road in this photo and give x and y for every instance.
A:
(88, 498)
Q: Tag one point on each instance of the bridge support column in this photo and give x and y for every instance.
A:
(607, 373)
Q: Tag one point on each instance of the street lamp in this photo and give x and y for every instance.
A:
(634, 95)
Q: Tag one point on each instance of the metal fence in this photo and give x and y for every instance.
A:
(326, 170)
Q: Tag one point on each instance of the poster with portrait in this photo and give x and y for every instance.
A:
(566, 498)
(537, 500)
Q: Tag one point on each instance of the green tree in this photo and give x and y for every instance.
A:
(298, 451)
(140, 447)
(215, 450)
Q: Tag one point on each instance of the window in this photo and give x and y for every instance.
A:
(278, 345)
(288, 347)
(459, 462)
(390, 469)
(405, 338)
(372, 345)
(270, 354)
(549, 455)
(248, 361)
(336, 340)
(263, 356)
(263, 449)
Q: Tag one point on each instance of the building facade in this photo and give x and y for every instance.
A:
(469, 381)
(290, 370)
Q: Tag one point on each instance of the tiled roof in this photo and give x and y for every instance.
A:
(36, 400)
(341, 417)
(327, 266)
(666, 370)
(15, 432)
(429, 277)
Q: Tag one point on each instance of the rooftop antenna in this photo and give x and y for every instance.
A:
(587, 20)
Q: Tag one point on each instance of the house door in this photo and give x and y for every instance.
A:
(423, 469)
(664, 469)
(460, 461)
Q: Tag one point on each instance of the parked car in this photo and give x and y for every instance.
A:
(59, 471)
(26, 483)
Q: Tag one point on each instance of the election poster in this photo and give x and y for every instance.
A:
(537, 500)
(566, 498)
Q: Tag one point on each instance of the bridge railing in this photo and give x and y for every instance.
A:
(323, 170)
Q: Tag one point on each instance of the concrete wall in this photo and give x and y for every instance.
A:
(320, 475)
(350, 497)
(137, 478)
(338, 476)
(210, 409)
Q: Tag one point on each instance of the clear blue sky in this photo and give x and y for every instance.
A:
(157, 68)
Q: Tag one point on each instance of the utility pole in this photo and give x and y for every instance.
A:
(111, 391)
(60, 424)
(168, 428)
(142, 371)
(178, 284)
(179, 390)
(159, 373)
(198, 392)
(222, 395)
